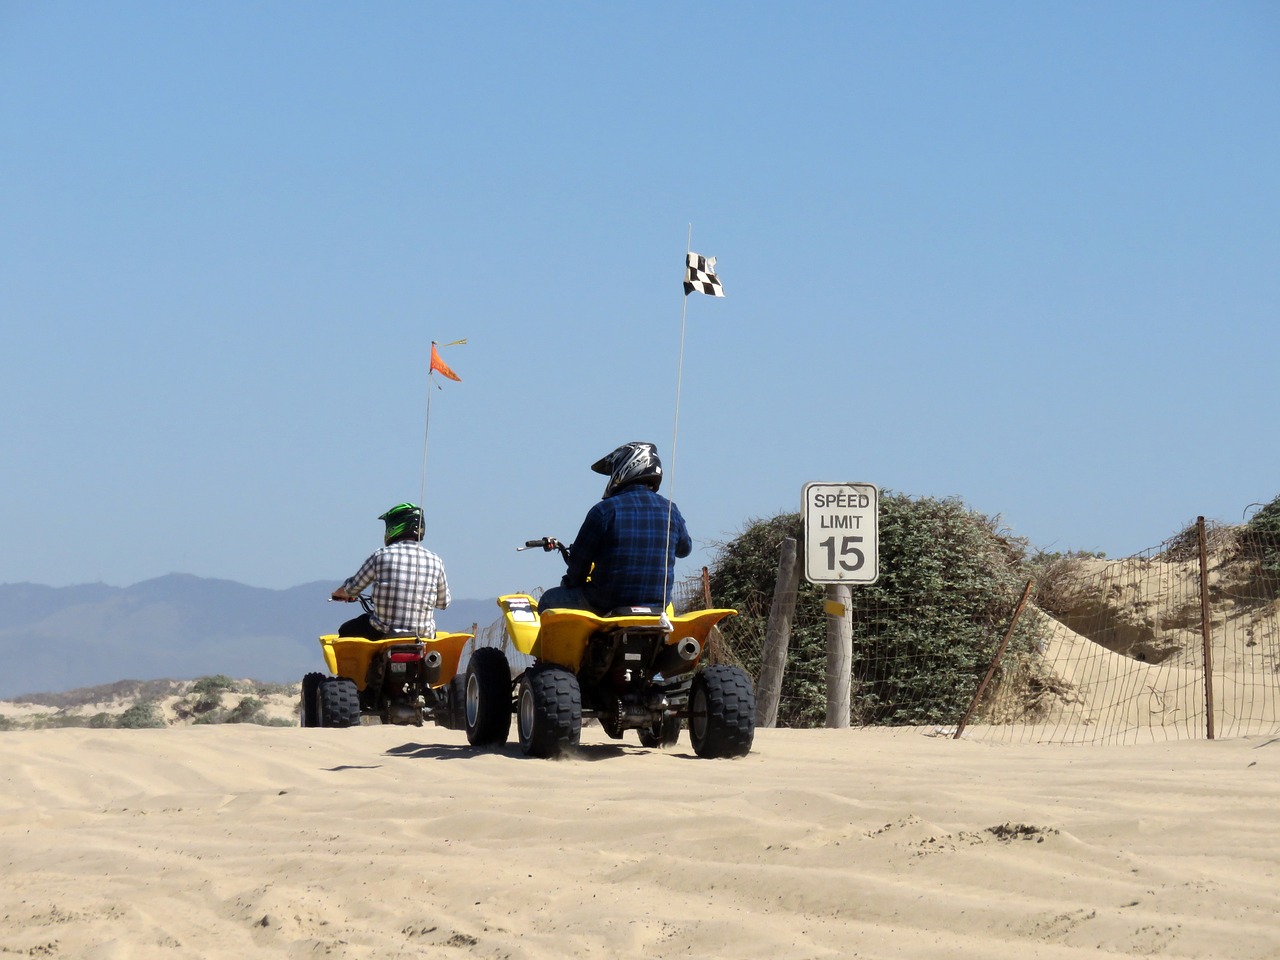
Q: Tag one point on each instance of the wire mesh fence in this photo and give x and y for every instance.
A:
(1159, 646)
(1109, 652)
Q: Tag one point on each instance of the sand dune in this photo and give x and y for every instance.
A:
(388, 842)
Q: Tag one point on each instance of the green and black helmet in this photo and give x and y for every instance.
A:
(404, 522)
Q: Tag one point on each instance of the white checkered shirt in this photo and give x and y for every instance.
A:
(408, 585)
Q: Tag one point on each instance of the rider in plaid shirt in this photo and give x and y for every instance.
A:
(408, 582)
(625, 553)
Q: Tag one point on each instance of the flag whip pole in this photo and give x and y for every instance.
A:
(426, 430)
(675, 434)
(699, 275)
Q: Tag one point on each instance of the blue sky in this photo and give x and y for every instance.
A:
(1023, 254)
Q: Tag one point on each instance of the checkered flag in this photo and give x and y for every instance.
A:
(701, 276)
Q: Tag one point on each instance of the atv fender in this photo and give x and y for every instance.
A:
(350, 656)
(520, 612)
(561, 636)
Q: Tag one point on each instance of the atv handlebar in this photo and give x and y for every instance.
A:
(363, 599)
(547, 544)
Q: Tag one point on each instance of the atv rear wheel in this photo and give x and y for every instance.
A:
(722, 712)
(339, 702)
(488, 698)
(549, 711)
(662, 734)
(309, 711)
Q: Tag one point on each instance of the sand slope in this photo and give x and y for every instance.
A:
(381, 842)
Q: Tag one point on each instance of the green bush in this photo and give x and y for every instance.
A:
(141, 715)
(207, 702)
(244, 711)
(213, 685)
(923, 634)
(1260, 538)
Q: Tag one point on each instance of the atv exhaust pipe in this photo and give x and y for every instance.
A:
(678, 657)
(431, 664)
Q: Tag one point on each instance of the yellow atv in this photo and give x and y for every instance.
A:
(634, 669)
(399, 680)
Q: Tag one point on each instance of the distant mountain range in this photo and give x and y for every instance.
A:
(179, 626)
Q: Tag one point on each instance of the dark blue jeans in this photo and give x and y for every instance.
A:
(565, 598)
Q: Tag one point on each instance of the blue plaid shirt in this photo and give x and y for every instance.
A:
(625, 536)
(408, 585)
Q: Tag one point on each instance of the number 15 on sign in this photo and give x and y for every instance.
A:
(841, 533)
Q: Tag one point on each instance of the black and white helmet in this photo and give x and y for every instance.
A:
(634, 462)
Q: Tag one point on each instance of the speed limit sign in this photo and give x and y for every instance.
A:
(841, 532)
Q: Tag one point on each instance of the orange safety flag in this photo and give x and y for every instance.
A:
(438, 365)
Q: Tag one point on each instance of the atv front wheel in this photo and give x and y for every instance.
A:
(488, 699)
(339, 702)
(549, 711)
(309, 712)
(662, 734)
(722, 712)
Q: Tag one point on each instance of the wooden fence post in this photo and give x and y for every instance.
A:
(777, 635)
(839, 607)
(995, 661)
(1204, 627)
